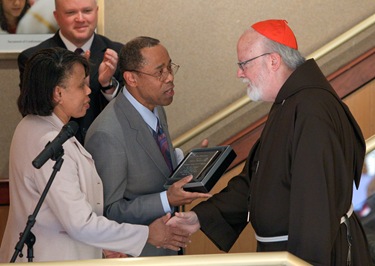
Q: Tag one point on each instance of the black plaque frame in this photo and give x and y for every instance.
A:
(206, 165)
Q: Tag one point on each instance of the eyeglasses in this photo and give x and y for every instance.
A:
(242, 64)
(162, 75)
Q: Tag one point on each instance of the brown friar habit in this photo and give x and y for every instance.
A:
(298, 179)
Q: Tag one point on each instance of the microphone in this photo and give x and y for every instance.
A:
(55, 147)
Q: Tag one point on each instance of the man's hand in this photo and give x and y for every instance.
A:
(204, 143)
(107, 67)
(178, 196)
(163, 236)
(108, 254)
(87, 55)
(186, 221)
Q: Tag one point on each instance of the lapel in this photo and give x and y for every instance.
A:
(141, 130)
(56, 41)
(97, 50)
(81, 149)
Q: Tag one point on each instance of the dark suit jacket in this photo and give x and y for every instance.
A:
(298, 179)
(130, 164)
(98, 101)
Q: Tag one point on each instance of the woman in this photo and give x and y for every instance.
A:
(69, 225)
(11, 11)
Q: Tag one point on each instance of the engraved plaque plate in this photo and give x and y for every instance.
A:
(206, 165)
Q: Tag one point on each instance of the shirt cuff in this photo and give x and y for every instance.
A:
(179, 155)
(164, 201)
(109, 97)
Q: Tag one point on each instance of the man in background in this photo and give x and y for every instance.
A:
(130, 141)
(78, 20)
(296, 187)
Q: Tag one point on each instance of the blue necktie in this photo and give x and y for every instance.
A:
(161, 140)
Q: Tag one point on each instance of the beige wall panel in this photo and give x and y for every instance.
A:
(9, 115)
(362, 105)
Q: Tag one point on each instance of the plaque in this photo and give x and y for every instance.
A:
(206, 165)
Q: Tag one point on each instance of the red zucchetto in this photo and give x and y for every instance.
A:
(278, 31)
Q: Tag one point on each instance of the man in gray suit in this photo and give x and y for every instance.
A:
(122, 142)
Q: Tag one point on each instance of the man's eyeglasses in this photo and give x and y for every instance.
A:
(162, 75)
(242, 64)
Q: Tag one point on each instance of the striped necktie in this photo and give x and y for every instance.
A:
(161, 140)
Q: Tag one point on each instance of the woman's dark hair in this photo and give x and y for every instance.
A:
(43, 72)
(3, 20)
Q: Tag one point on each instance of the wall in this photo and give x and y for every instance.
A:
(362, 105)
(201, 36)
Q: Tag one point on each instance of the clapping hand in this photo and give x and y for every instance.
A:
(108, 67)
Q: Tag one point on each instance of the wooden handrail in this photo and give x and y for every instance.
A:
(370, 144)
(4, 192)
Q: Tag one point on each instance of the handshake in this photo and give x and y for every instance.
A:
(173, 232)
(168, 232)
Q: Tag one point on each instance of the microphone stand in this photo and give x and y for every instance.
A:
(27, 236)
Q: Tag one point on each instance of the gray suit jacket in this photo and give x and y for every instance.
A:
(130, 164)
